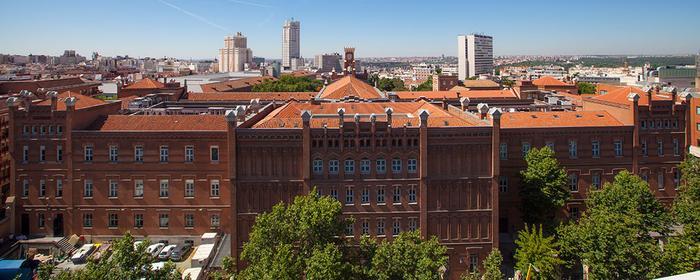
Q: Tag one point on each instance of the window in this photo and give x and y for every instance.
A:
(380, 195)
(412, 165)
(412, 224)
(364, 166)
(380, 226)
(41, 220)
(651, 124)
(503, 183)
(525, 148)
(189, 220)
(164, 189)
(660, 180)
(42, 153)
(349, 229)
(33, 129)
(396, 228)
(676, 178)
(595, 181)
(676, 147)
(138, 220)
(138, 188)
(59, 129)
(660, 147)
(574, 213)
(42, 188)
(88, 153)
(618, 148)
(318, 166)
(573, 182)
(333, 166)
(645, 150)
(473, 262)
(113, 188)
(189, 153)
(215, 220)
(573, 149)
(25, 188)
(349, 166)
(381, 166)
(113, 153)
(25, 130)
(25, 153)
(87, 220)
(138, 153)
(59, 153)
(59, 187)
(163, 153)
(214, 153)
(397, 195)
(550, 145)
(163, 220)
(364, 197)
(595, 148)
(349, 196)
(365, 227)
(51, 129)
(113, 220)
(87, 188)
(214, 188)
(334, 194)
(189, 188)
(503, 151)
(42, 130)
(644, 124)
(396, 165)
(412, 197)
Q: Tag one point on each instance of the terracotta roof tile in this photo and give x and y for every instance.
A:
(146, 83)
(619, 94)
(350, 86)
(82, 101)
(549, 81)
(479, 83)
(435, 95)
(558, 119)
(160, 123)
(234, 85)
(247, 96)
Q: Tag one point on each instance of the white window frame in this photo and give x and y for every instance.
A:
(381, 166)
(138, 153)
(138, 188)
(113, 153)
(349, 195)
(618, 147)
(88, 188)
(333, 166)
(59, 153)
(163, 220)
(189, 188)
(88, 153)
(573, 149)
(412, 195)
(189, 220)
(349, 166)
(396, 195)
(412, 165)
(189, 153)
(595, 149)
(164, 188)
(503, 151)
(59, 187)
(365, 166)
(381, 195)
(42, 153)
(364, 196)
(214, 188)
(164, 154)
(214, 153)
(396, 165)
(113, 191)
(318, 166)
(525, 148)
(87, 220)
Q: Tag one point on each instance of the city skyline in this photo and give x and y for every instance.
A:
(182, 29)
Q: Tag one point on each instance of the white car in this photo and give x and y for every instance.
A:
(137, 243)
(166, 252)
(154, 249)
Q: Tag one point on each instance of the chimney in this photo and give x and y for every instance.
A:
(483, 110)
(464, 101)
(341, 116)
(26, 98)
(444, 103)
(54, 99)
(423, 114)
(388, 112)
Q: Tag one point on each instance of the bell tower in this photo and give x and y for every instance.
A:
(349, 63)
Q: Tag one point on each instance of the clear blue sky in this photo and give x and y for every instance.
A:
(195, 29)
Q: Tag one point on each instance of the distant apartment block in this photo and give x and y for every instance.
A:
(328, 62)
(235, 55)
(290, 43)
(474, 55)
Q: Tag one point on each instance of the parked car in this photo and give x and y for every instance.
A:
(154, 249)
(137, 243)
(181, 252)
(165, 253)
(83, 253)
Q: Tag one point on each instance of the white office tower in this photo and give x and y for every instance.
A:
(290, 43)
(474, 55)
(235, 56)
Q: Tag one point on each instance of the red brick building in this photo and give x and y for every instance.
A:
(395, 164)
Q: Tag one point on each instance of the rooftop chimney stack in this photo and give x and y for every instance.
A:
(483, 110)
(54, 99)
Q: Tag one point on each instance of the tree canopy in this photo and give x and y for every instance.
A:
(543, 188)
(585, 88)
(426, 86)
(537, 252)
(288, 83)
(409, 257)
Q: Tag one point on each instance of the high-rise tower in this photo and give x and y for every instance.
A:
(474, 55)
(290, 43)
(235, 54)
(697, 70)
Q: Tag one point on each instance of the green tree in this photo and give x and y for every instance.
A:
(539, 251)
(409, 257)
(393, 84)
(613, 235)
(507, 82)
(585, 88)
(543, 190)
(426, 86)
(289, 83)
(492, 266)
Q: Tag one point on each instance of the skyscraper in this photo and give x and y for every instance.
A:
(474, 55)
(290, 43)
(697, 70)
(235, 54)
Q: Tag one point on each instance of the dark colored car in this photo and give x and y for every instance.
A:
(180, 252)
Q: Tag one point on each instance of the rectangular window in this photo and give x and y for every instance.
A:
(676, 178)
(25, 130)
(396, 165)
(214, 153)
(349, 166)
(550, 145)
(33, 129)
(364, 198)
(138, 188)
(365, 166)
(397, 195)
(164, 189)
(41, 220)
(573, 182)
(618, 148)
(333, 166)
(59, 129)
(525, 148)
(334, 194)
(215, 220)
(381, 166)
(163, 153)
(214, 188)
(318, 166)
(42, 153)
(660, 147)
(676, 147)
(113, 153)
(51, 129)
(380, 226)
(113, 188)
(87, 220)
(660, 180)
(349, 196)
(412, 165)
(380, 195)
(595, 181)
(25, 188)
(645, 149)
(87, 188)
(396, 228)
(503, 151)
(574, 213)
(113, 220)
(88, 153)
(349, 229)
(412, 224)
(138, 153)
(189, 220)
(573, 149)
(59, 153)
(365, 227)
(189, 153)
(25, 153)
(473, 262)
(189, 188)
(138, 220)
(42, 130)
(59, 187)
(503, 183)
(595, 148)
(163, 220)
(412, 197)
(42, 188)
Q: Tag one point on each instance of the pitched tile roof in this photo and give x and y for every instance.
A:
(289, 115)
(549, 81)
(619, 94)
(146, 83)
(52, 84)
(350, 86)
(247, 96)
(478, 84)
(160, 123)
(558, 119)
(452, 94)
(81, 102)
(234, 85)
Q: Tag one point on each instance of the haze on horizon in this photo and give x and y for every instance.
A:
(195, 29)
